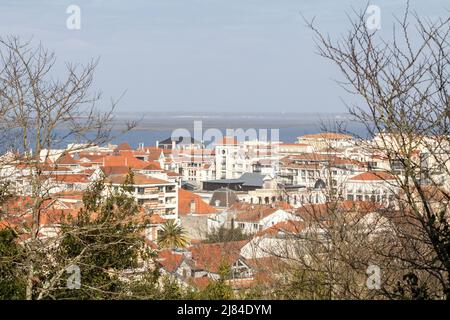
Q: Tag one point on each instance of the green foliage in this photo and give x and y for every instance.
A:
(5, 193)
(304, 284)
(223, 234)
(12, 283)
(256, 292)
(410, 288)
(218, 289)
(104, 240)
(172, 236)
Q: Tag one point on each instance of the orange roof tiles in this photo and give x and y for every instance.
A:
(185, 198)
(228, 141)
(170, 260)
(66, 160)
(124, 146)
(373, 176)
(327, 135)
(153, 165)
(139, 179)
(255, 212)
(210, 256)
(70, 178)
(124, 160)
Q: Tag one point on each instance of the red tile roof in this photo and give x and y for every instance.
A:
(373, 176)
(211, 256)
(66, 160)
(255, 212)
(108, 170)
(290, 227)
(170, 260)
(124, 147)
(126, 160)
(70, 178)
(327, 135)
(185, 198)
(228, 141)
(153, 165)
(139, 179)
(153, 153)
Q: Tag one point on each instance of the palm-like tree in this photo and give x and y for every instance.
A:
(172, 235)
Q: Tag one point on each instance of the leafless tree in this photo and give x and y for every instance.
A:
(404, 85)
(40, 111)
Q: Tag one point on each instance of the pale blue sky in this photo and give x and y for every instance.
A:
(202, 55)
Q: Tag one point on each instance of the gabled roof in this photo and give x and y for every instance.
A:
(153, 165)
(327, 211)
(373, 176)
(66, 160)
(223, 197)
(287, 227)
(108, 170)
(153, 153)
(70, 178)
(247, 212)
(210, 256)
(170, 260)
(139, 179)
(124, 146)
(124, 160)
(185, 198)
(327, 135)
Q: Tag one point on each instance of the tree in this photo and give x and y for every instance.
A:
(223, 234)
(38, 113)
(218, 289)
(402, 85)
(105, 240)
(12, 284)
(172, 235)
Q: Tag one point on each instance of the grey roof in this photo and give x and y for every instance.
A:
(225, 181)
(250, 179)
(223, 197)
(179, 140)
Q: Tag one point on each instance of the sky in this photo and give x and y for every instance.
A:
(202, 55)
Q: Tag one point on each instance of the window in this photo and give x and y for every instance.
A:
(241, 225)
(255, 226)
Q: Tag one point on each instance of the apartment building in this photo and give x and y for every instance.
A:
(326, 140)
(234, 158)
(155, 195)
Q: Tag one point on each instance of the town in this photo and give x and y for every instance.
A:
(179, 152)
(266, 194)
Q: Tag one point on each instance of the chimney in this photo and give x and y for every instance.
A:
(217, 203)
(192, 206)
(157, 143)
